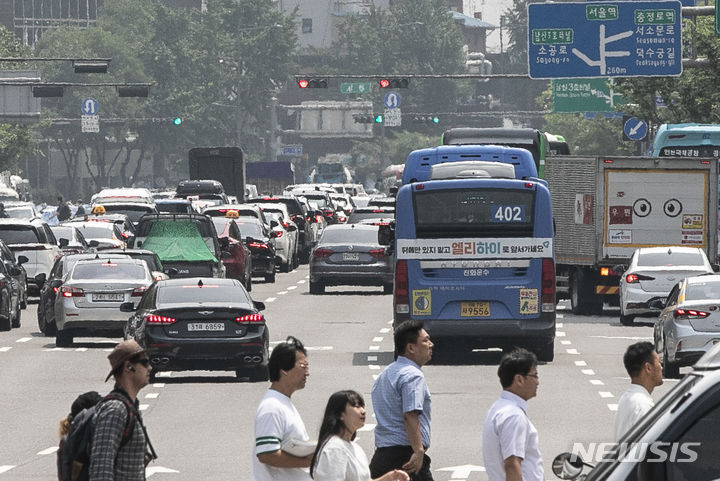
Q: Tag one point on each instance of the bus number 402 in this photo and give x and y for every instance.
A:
(507, 213)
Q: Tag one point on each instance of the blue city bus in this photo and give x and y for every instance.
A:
(687, 140)
(420, 162)
(474, 262)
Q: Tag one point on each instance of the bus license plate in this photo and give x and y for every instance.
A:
(351, 256)
(474, 309)
(206, 326)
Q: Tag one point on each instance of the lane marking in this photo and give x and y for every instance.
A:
(374, 348)
(6, 468)
(159, 384)
(24, 339)
(5, 349)
(47, 451)
(565, 343)
(629, 338)
(282, 293)
(143, 407)
(572, 351)
(559, 324)
(589, 372)
(560, 334)
(384, 330)
(301, 282)
(596, 382)
(612, 407)
(580, 363)
(164, 374)
(605, 394)
(374, 367)
(291, 288)
(81, 349)
(378, 339)
(270, 299)
(374, 376)
(152, 395)
(372, 358)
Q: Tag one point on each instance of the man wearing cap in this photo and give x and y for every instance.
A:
(111, 459)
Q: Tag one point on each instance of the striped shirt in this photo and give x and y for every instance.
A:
(109, 461)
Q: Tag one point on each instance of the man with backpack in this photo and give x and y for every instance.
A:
(120, 443)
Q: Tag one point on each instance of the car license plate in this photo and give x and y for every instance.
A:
(108, 297)
(206, 326)
(474, 309)
(351, 256)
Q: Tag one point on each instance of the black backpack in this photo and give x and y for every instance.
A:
(76, 446)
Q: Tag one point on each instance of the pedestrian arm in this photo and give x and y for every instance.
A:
(281, 459)
(411, 420)
(513, 468)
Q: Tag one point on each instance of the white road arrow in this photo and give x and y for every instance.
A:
(158, 469)
(462, 472)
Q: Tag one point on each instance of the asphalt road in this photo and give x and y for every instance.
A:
(201, 423)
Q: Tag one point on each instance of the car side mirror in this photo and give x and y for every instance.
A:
(55, 283)
(127, 307)
(292, 228)
(172, 272)
(567, 466)
(226, 255)
(14, 271)
(40, 278)
(386, 235)
(274, 223)
(93, 243)
(63, 242)
(620, 268)
(22, 259)
(260, 306)
(224, 242)
(657, 304)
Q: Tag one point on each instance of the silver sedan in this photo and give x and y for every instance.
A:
(88, 302)
(689, 324)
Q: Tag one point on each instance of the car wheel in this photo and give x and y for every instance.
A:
(317, 288)
(63, 338)
(387, 288)
(270, 277)
(248, 284)
(285, 266)
(546, 353)
(670, 370)
(296, 261)
(23, 301)
(5, 324)
(626, 320)
(16, 318)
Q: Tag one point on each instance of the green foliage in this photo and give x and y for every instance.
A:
(598, 136)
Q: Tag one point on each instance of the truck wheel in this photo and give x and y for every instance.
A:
(285, 266)
(270, 277)
(547, 352)
(317, 288)
(5, 323)
(16, 318)
(63, 338)
(576, 305)
(582, 298)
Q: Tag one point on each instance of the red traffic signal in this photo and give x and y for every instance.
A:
(312, 83)
(394, 83)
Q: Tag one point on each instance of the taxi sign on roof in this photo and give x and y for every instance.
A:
(232, 214)
(98, 210)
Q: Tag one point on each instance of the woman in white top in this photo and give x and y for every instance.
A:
(337, 456)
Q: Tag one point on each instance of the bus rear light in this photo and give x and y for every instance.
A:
(547, 297)
(402, 300)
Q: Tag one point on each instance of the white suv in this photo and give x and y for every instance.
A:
(34, 240)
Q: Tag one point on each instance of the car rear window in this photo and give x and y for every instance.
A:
(251, 229)
(703, 290)
(133, 212)
(349, 236)
(174, 207)
(209, 292)
(18, 234)
(670, 258)
(108, 270)
(103, 230)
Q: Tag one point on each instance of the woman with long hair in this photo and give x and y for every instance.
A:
(337, 456)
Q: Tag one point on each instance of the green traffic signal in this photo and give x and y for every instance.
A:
(177, 120)
(436, 120)
(379, 119)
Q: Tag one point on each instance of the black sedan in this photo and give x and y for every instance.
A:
(201, 324)
(262, 249)
(9, 297)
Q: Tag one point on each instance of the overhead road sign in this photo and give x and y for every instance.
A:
(584, 95)
(392, 100)
(89, 106)
(605, 39)
(634, 128)
(355, 87)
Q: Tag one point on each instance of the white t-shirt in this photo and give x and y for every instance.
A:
(276, 420)
(341, 460)
(507, 431)
(633, 405)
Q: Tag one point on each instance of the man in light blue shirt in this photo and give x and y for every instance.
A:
(401, 400)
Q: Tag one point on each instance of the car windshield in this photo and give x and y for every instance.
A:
(670, 258)
(251, 229)
(62, 232)
(208, 293)
(18, 234)
(20, 212)
(703, 290)
(99, 230)
(349, 236)
(107, 270)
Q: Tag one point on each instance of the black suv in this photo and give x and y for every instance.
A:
(300, 216)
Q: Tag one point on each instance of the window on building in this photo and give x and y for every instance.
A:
(307, 25)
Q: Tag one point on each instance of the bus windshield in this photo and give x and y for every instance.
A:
(474, 212)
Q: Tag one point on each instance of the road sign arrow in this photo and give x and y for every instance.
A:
(462, 472)
(635, 129)
(158, 469)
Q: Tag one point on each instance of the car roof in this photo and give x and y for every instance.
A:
(350, 227)
(183, 281)
(28, 222)
(649, 250)
(703, 279)
(128, 251)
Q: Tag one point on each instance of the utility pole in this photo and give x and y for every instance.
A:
(272, 141)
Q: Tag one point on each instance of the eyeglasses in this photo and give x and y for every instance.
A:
(304, 365)
(145, 362)
(532, 375)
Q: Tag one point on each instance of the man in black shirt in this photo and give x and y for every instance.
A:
(63, 211)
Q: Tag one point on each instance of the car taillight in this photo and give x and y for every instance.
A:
(322, 253)
(124, 235)
(277, 233)
(377, 253)
(548, 286)
(138, 292)
(318, 218)
(69, 291)
(342, 218)
(635, 278)
(286, 224)
(328, 212)
(155, 319)
(55, 289)
(250, 319)
(158, 278)
(258, 245)
(689, 313)
(402, 300)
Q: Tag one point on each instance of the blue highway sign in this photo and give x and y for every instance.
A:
(89, 106)
(605, 39)
(635, 128)
(392, 100)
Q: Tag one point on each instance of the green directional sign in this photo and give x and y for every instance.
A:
(584, 95)
(717, 21)
(355, 87)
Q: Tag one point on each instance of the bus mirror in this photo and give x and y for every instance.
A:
(385, 235)
(393, 191)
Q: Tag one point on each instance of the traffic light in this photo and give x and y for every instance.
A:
(177, 121)
(394, 83)
(312, 83)
(363, 118)
(426, 119)
(378, 119)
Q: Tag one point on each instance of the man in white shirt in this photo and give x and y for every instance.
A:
(276, 419)
(510, 441)
(643, 365)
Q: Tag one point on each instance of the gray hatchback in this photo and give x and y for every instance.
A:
(350, 254)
